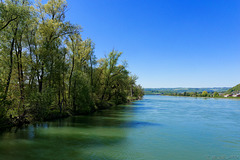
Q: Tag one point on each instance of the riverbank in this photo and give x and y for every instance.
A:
(59, 74)
(219, 97)
(55, 114)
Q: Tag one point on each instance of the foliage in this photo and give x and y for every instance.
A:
(48, 71)
(235, 89)
(40, 104)
(4, 105)
(182, 90)
(215, 94)
(204, 93)
(82, 100)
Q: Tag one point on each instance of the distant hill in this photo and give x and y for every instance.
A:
(182, 90)
(234, 89)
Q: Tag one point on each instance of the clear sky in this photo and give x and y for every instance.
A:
(167, 43)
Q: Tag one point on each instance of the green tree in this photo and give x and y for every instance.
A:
(215, 94)
(9, 12)
(47, 70)
(204, 93)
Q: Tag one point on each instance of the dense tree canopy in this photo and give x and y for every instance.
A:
(47, 69)
(215, 94)
(204, 93)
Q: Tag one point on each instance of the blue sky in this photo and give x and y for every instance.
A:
(167, 43)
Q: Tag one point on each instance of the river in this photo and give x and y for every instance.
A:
(155, 128)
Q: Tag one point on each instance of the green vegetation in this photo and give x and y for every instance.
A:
(194, 92)
(215, 94)
(235, 89)
(204, 93)
(48, 71)
(181, 91)
(191, 92)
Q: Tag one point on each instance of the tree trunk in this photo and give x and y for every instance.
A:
(20, 73)
(11, 65)
(74, 98)
(70, 77)
(41, 79)
(91, 70)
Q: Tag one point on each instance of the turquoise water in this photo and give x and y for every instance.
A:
(157, 127)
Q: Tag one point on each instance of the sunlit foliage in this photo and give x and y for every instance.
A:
(48, 71)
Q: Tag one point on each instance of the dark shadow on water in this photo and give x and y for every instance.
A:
(105, 122)
(117, 117)
(138, 104)
(136, 124)
(143, 108)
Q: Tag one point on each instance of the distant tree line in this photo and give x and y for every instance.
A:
(48, 71)
(182, 90)
(195, 94)
(189, 94)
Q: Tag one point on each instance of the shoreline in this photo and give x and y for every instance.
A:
(237, 98)
(63, 115)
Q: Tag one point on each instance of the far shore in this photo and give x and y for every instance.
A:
(220, 97)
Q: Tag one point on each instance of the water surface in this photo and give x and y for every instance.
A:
(157, 127)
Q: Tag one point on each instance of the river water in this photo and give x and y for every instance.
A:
(155, 128)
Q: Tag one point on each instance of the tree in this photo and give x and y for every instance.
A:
(9, 12)
(110, 70)
(47, 70)
(204, 93)
(215, 94)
